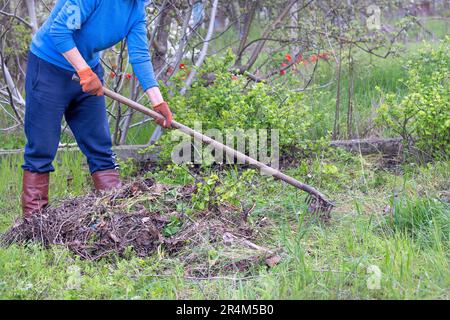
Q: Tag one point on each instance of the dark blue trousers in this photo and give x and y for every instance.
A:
(51, 94)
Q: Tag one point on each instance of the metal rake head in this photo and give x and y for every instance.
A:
(319, 205)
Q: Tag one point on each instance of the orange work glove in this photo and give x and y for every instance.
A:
(90, 82)
(163, 108)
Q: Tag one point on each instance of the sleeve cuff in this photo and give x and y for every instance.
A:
(145, 74)
(145, 88)
(65, 46)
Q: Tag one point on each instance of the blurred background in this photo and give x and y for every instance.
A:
(324, 67)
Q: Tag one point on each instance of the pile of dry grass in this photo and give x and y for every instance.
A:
(138, 216)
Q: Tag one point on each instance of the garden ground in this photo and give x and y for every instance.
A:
(388, 237)
(390, 224)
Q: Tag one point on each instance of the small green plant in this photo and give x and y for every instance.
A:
(215, 190)
(422, 116)
(14, 141)
(128, 167)
(172, 227)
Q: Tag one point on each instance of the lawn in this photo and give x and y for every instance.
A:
(388, 239)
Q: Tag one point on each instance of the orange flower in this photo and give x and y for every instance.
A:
(313, 58)
(128, 76)
(182, 66)
(283, 72)
(288, 57)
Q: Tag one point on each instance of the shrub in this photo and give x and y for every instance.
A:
(422, 116)
(223, 101)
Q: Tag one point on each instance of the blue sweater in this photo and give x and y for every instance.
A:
(93, 26)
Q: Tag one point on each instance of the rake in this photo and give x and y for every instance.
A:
(316, 201)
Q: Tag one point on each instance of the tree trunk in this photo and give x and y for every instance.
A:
(160, 44)
(236, 15)
(31, 6)
(336, 131)
(204, 51)
(134, 89)
(255, 54)
(351, 84)
(248, 20)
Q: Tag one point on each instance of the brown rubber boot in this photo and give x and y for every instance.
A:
(106, 180)
(34, 193)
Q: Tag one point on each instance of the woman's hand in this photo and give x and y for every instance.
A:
(160, 106)
(163, 109)
(88, 79)
(90, 82)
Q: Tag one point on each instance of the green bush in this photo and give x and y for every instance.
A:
(422, 116)
(223, 101)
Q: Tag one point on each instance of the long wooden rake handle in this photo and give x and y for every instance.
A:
(219, 146)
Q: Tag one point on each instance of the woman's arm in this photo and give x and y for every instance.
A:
(76, 59)
(159, 105)
(61, 32)
(155, 96)
(93, 85)
(140, 59)
(89, 81)
(71, 16)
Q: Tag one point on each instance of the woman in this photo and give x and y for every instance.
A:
(68, 42)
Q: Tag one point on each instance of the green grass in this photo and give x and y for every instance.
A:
(408, 242)
(369, 74)
(437, 26)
